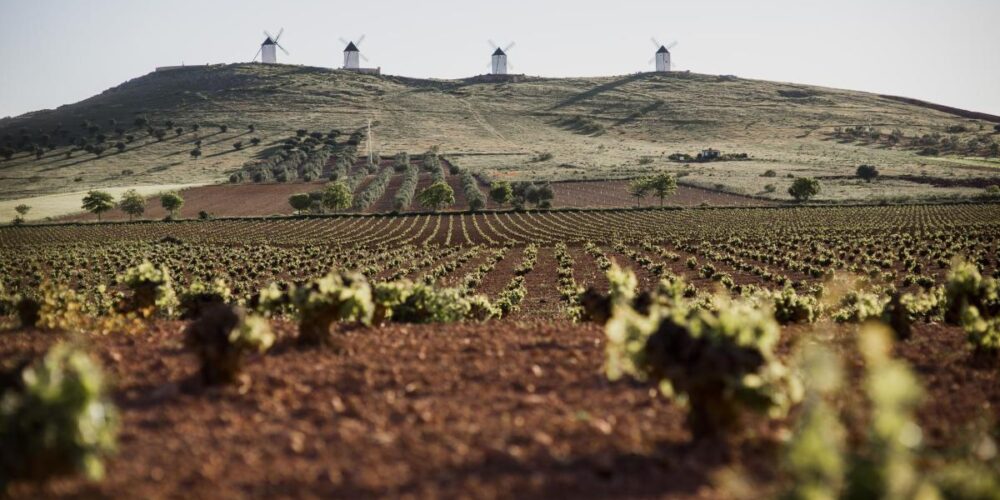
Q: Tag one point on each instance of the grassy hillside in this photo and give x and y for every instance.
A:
(517, 128)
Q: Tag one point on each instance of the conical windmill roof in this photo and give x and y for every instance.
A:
(499, 52)
(351, 48)
(663, 50)
(268, 41)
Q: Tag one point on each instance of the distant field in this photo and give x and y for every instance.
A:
(235, 200)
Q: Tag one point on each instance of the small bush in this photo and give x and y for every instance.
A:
(57, 420)
(804, 188)
(152, 290)
(790, 307)
(201, 296)
(720, 360)
(867, 172)
(338, 296)
(686, 349)
(858, 306)
(222, 337)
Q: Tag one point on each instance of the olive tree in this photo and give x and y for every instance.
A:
(662, 186)
(804, 188)
(300, 202)
(638, 188)
(171, 202)
(436, 196)
(867, 172)
(98, 202)
(501, 193)
(337, 196)
(132, 203)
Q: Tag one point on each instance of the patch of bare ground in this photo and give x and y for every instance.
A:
(221, 200)
(585, 270)
(249, 199)
(496, 280)
(512, 409)
(614, 194)
(542, 283)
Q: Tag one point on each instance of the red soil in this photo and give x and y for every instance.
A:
(233, 200)
(614, 194)
(222, 200)
(505, 409)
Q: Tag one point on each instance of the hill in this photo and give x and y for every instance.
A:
(508, 128)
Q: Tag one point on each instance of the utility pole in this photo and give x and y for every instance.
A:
(371, 151)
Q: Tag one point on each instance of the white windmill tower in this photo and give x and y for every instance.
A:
(352, 54)
(498, 61)
(267, 52)
(662, 56)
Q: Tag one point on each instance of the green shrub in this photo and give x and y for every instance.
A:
(965, 287)
(974, 302)
(983, 333)
(882, 464)
(152, 290)
(57, 420)
(425, 304)
(814, 457)
(721, 360)
(858, 306)
(222, 336)
(387, 296)
(790, 307)
(886, 468)
(804, 188)
(707, 271)
(510, 298)
(200, 296)
(338, 296)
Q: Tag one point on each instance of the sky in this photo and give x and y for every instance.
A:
(56, 52)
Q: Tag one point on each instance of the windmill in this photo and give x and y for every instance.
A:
(266, 52)
(498, 61)
(352, 53)
(662, 56)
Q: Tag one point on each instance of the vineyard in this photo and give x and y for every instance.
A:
(638, 352)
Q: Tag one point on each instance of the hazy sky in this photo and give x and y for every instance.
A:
(57, 52)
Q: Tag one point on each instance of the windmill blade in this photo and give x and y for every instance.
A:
(508, 47)
(282, 30)
(651, 61)
(672, 45)
(361, 40)
(655, 42)
(365, 59)
(493, 44)
(345, 42)
(268, 35)
(258, 53)
(509, 65)
(282, 49)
